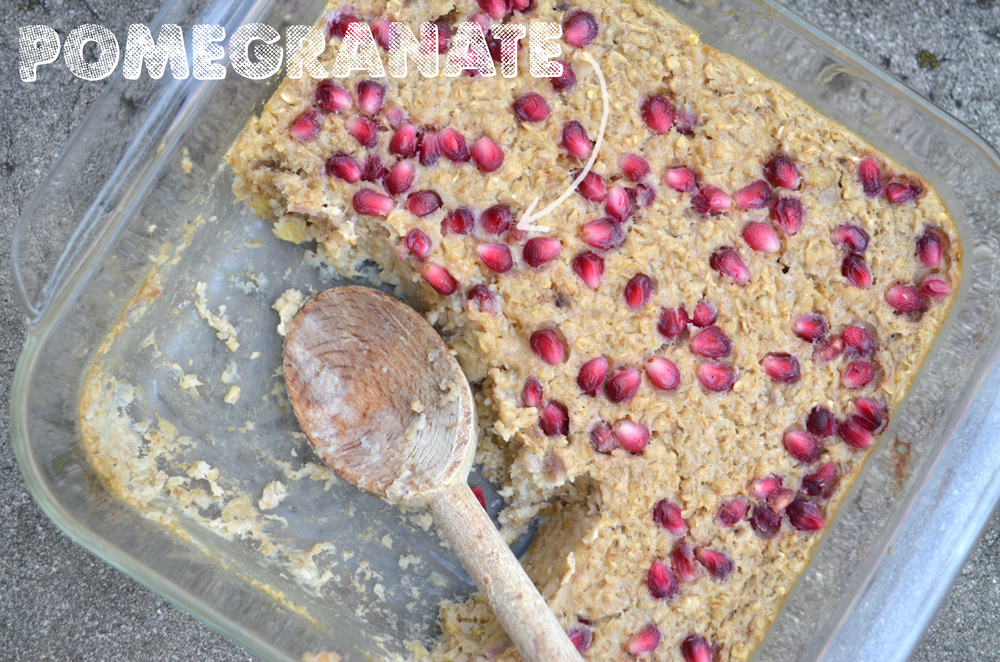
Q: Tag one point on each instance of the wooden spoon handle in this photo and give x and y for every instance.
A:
(514, 599)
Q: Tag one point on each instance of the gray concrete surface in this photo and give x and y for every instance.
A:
(57, 602)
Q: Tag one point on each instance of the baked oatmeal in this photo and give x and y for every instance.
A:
(683, 375)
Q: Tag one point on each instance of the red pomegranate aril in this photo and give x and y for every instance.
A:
(930, 248)
(712, 343)
(581, 636)
(804, 515)
(663, 373)
(704, 314)
(756, 195)
(363, 130)
(496, 256)
(593, 187)
(339, 22)
(711, 200)
(669, 516)
(731, 511)
(453, 145)
(658, 114)
(487, 154)
(419, 243)
(371, 96)
(459, 221)
(428, 148)
(716, 377)
(935, 287)
(496, 219)
(645, 640)
(332, 97)
(422, 203)
(383, 33)
(728, 262)
(901, 192)
(395, 116)
(590, 268)
(603, 439)
(638, 291)
(781, 171)
(851, 237)
(531, 107)
(858, 373)
(829, 350)
(575, 140)
(781, 367)
(592, 374)
(905, 298)
(487, 303)
(566, 80)
(632, 436)
(343, 166)
(554, 420)
(404, 141)
(623, 385)
(579, 28)
(821, 422)
(662, 581)
(682, 560)
(547, 345)
(681, 179)
(696, 649)
(761, 237)
(717, 563)
(764, 521)
(540, 250)
(672, 322)
(810, 327)
(439, 278)
(370, 203)
(854, 433)
(641, 195)
(766, 487)
(802, 446)
(869, 414)
(857, 341)
(480, 496)
(855, 270)
(821, 482)
(443, 36)
(374, 170)
(306, 126)
(788, 214)
(400, 178)
(603, 234)
(531, 393)
(870, 177)
(780, 500)
(618, 205)
(634, 166)
(495, 9)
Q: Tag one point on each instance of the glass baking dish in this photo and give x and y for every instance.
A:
(118, 194)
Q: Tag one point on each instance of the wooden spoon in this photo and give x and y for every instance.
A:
(387, 407)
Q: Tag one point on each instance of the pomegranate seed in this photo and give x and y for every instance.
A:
(496, 256)
(487, 154)
(712, 342)
(851, 237)
(780, 500)
(681, 179)
(765, 521)
(634, 166)
(592, 187)
(935, 287)
(460, 221)
(645, 640)
(339, 22)
(422, 203)
(788, 215)
(531, 107)
(633, 437)
(374, 170)
(727, 261)
(487, 302)
(662, 581)
(443, 36)
(554, 419)
(495, 9)
(603, 234)
(781, 367)
(332, 97)
(821, 422)
(565, 80)
(731, 511)
(306, 126)
(802, 446)
(382, 32)
(482, 20)
(668, 515)
(575, 140)
(810, 327)
(638, 291)
(855, 270)
(370, 203)
(592, 374)
(765, 488)
(857, 341)
(343, 166)
(716, 377)
(821, 482)
(395, 116)
(781, 171)
(756, 195)
(400, 178)
(547, 346)
(428, 148)
(540, 250)
(711, 200)
(854, 433)
(531, 394)
(496, 219)
(419, 243)
(930, 248)
(870, 177)
(682, 559)
(673, 322)
(480, 496)
(453, 145)
(590, 268)
(857, 374)
(602, 439)
(717, 563)
(663, 373)
(804, 515)
(829, 350)
(905, 298)
(363, 130)
(869, 414)
(658, 114)
(623, 385)
(581, 637)
(371, 96)
(696, 649)
(901, 192)
(404, 141)
(579, 29)
(685, 121)
(704, 314)
(642, 195)
(618, 204)
(439, 278)
(760, 237)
